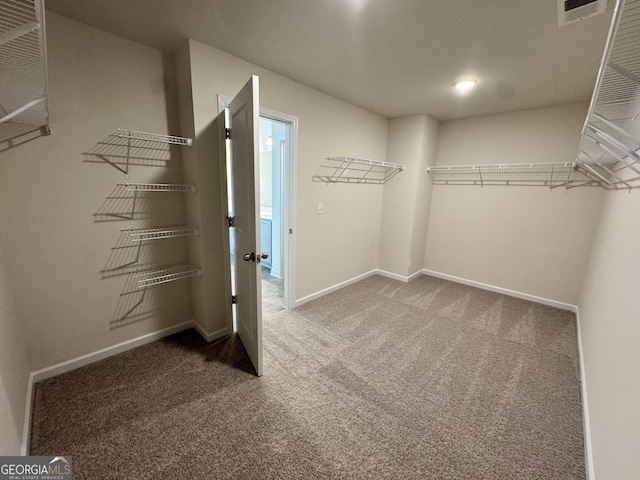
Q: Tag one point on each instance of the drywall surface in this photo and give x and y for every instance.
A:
(333, 247)
(198, 254)
(66, 286)
(14, 371)
(405, 212)
(424, 192)
(610, 329)
(529, 239)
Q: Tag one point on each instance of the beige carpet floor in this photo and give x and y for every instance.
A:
(380, 380)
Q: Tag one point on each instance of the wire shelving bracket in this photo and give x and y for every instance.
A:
(356, 170)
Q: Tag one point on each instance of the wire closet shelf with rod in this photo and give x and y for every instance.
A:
(609, 151)
(356, 170)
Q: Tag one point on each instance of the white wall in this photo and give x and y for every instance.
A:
(529, 239)
(610, 329)
(331, 248)
(407, 196)
(52, 248)
(14, 370)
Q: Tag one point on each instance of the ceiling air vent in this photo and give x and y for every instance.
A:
(570, 11)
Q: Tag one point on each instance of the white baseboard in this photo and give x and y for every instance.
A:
(414, 275)
(504, 291)
(26, 431)
(588, 454)
(444, 276)
(396, 276)
(210, 337)
(82, 361)
(107, 352)
(353, 280)
(393, 276)
(322, 293)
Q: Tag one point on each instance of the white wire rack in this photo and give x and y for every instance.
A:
(159, 233)
(124, 148)
(23, 69)
(151, 137)
(166, 274)
(610, 144)
(135, 290)
(515, 174)
(157, 187)
(356, 170)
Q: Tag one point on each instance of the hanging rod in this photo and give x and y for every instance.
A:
(356, 170)
(158, 187)
(152, 137)
(158, 233)
(162, 275)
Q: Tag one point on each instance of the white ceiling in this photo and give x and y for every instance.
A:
(393, 57)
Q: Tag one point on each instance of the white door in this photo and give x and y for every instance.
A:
(245, 171)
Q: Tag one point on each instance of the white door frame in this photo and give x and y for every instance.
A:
(289, 203)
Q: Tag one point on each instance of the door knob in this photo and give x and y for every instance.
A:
(249, 257)
(264, 255)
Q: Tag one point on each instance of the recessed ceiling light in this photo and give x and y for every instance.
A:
(465, 84)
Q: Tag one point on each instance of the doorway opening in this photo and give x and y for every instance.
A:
(277, 147)
(273, 152)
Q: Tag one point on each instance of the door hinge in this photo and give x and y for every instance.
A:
(227, 133)
(234, 299)
(231, 221)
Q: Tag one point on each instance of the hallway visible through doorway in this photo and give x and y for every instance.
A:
(272, 293)
(273, 151)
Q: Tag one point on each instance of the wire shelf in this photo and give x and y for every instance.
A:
(158, 233)
(152, 137)
(23, 69)
(521, 174)
(356, 170)
(158, 187)
(610, 144)
(136, 290)
(168, 274)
